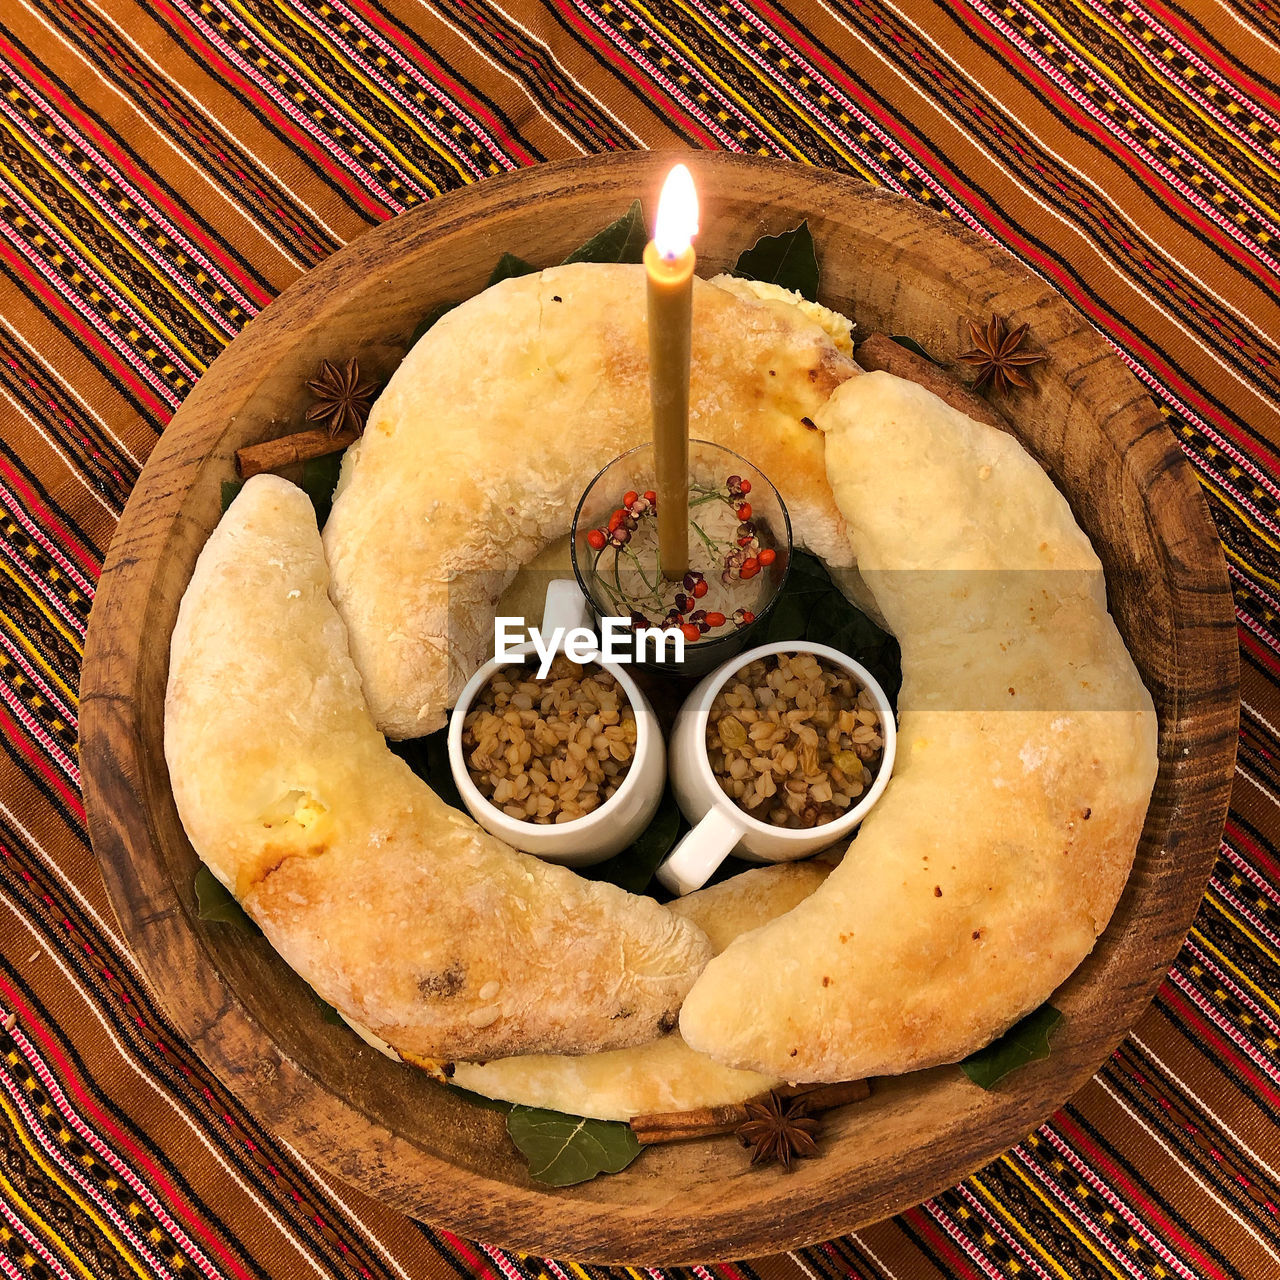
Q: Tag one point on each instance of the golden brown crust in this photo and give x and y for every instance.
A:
(665, 1074)
(472, 464)
(399, 910)
(1026, 759)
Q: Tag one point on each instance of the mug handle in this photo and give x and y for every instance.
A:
(690, 864)
(564, 606)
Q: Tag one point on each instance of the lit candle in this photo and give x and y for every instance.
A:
(669, 260)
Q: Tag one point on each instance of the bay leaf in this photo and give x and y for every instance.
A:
(912, 345)
(789, 617)
(620, 241)
(564, 1150)
(439, 310)
(789, 260)
(633, 868)
(215, 904)
(429, 758)
(318, 480)
(328, 1013)
(1024, 1042)
(229, 490)
(509, 266)
(811, 607)
(807, 571)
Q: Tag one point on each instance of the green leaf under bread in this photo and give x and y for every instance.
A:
(436, 312)
(563, 1150)
(789, 260)
(620, 241)
(318, 480)
(509, 266)
(811, 607)
(329, 1014)
(807, 572)
(912, 345)
(429, 758)
(789, 618)
(633, 868)
(215, 903)
(1024, 1042)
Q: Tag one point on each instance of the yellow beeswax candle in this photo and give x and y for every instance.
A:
(669, 261)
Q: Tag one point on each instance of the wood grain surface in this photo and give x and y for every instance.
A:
(388, 1130)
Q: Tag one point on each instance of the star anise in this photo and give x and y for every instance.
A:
(342, 400)
(779, 1130)
(996, 356)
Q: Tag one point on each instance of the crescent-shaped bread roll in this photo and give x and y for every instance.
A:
(398, 909)
(665, 1074)
(479, 448)
(1026, 759)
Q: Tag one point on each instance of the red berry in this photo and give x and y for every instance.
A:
(750, 567)
(596, 539)
(616, 519)
(700, 588)
(767, 556)
(650, 495)
(745, 487)
(715, 619)
(743, 617)
(629, 497)
(691, 631)
(744, 511)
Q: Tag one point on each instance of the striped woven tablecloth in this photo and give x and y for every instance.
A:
(170, 165)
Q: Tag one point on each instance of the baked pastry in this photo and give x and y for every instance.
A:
(486, 436)
(1026, 759)
(665, 1074)
(1027, 745)
(398, 909)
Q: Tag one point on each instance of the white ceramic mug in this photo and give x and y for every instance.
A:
(720, 826)
(620, 819)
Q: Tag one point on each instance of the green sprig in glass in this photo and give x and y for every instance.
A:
(666, 604)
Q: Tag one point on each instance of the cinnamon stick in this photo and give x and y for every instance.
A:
(708, 1122)
(881, 353)
(271, 455)
(680, 1126)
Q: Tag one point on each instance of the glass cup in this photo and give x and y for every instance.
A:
(742, 582)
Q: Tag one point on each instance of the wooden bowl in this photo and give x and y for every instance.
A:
(387, 1129)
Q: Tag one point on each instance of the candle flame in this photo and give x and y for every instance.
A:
(677, 214)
